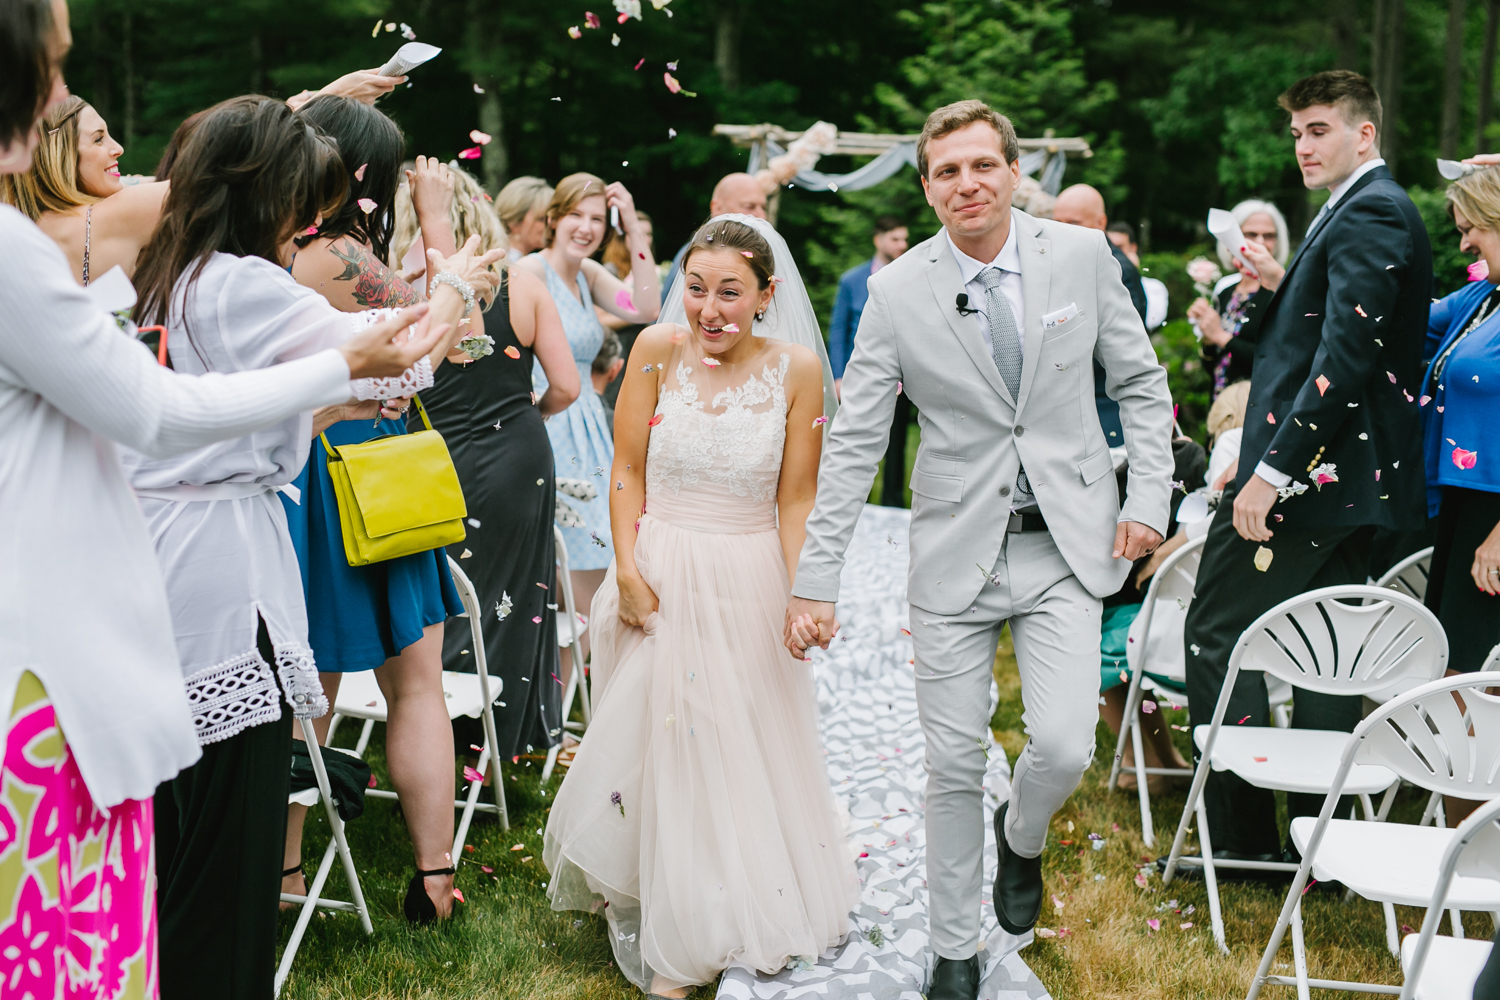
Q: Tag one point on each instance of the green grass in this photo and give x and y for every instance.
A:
(510, 944)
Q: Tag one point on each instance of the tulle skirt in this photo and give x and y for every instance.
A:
(697, 813)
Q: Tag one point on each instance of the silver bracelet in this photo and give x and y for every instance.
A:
(460, 286)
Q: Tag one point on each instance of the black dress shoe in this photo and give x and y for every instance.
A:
(1222, 874)
(955, 979)
(1018, 884)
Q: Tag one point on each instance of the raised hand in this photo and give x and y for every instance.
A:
(431, 185)
(464, 264)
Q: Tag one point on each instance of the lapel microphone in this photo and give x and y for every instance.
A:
(963, 305)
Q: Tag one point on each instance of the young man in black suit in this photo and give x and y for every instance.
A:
(1332, 402)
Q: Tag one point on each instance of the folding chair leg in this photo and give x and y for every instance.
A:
(1434, 804)
(1364, 800)
(1148, 833)
(364, 737)
(1299, 953)
(1392, 937)
(1456, 919)
(309, 907)
(1200, 776)
(1210, 876)
(1387, 802)
(462, 834)
(1131, 693)
(497, 783)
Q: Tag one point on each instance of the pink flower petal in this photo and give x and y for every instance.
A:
(480, 137)
(671, 82)
(590, 19)
(654, 420)
(472, 153)
(623, 299)
(472, 775)
(573, 32)
(712, 362)
(1322, 383)
(359, 174)
(1479, 270)
(819, 422)
(537, 620)
(366, 205)
(1425, 400)
(641, 62)
(1465, 459)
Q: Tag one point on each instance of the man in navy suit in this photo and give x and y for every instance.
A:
(890, 243)
(1333, 411)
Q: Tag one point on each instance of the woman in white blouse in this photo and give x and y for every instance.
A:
(93, 714)
(252, 178)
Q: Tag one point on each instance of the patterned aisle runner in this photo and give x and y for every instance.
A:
(868, 707)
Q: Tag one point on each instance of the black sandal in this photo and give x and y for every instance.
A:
(291, 871)
(419, 907)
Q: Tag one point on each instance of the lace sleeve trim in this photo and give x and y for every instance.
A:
(230, 697)
(412, 381)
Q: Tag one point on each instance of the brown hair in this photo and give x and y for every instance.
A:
(26, 34)
(1477, 195)
(730, 235)
(250, 176)
(616, 251)
(571, 190)
(952, 117)
(1344, 89)
(175, 144)
(51, 185)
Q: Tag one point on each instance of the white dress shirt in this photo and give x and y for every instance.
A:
(82, 604)
(1008, 260)
(1276, 477)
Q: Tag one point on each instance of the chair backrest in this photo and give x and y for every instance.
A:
(1155, 640)
(1443, 736)
(1320, 641)
(1474, 851)
(1409, 576)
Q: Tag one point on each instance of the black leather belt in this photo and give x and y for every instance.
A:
(1028, 521)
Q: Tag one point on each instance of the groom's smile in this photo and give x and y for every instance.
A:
(969, 184)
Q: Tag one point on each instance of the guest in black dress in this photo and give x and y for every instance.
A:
(485, 412)
(1230, 324)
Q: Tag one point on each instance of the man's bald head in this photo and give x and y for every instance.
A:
(739, 193)
(1081, 205)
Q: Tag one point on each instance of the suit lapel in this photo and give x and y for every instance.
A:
(1369, 178)
(946, 282)
(1036, 285)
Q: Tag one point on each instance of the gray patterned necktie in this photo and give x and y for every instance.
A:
(1005, 339)
(1005, 348)
(1316, 219)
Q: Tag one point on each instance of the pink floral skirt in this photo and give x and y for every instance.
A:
(77, 885)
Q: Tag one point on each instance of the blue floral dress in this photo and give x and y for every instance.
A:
(582, 445)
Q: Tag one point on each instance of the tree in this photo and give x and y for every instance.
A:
(1386, 37)
(1453, 79)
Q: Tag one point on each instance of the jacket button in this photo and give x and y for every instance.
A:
(1005, 491)
(1019, 430)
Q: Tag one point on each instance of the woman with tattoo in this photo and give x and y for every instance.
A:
(387, 616)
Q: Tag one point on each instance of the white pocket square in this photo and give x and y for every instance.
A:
(1057, 318)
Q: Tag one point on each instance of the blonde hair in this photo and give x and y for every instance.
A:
(51, 185)
(472, 214)
(571, 190)
(521, 195)
(1477, 195)
(1228, 411)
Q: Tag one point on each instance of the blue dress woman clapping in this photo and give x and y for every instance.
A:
(583, 447)
(1461, 442)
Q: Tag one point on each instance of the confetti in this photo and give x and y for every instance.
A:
(628, 9)
(458, 894)
(1046, 932)
(478, 89)
(712, 362)
(1391, 377)
(731, 328)
(594, 535)
(1242, 721)
(1291, 490)
(641, 63)
(359, 174)
(645, 369)
(614, 800)
(406, 32)
(502, 609)
(819, 422)
(512, 353)
(1196, 649)
(1154, 924)
(1148, 706)
(1324, 474)
(466, 554)
(1259, 760)
(366, 205)
(472, 153)
(1361, 310)
(1140, 879)
(671, 82)
(480, 137)
(623, 299)
(654, 420)
(614, 40)
(1185, 926)
(671, 133)
(1464, 459)
(473, 522)
(377, 28)
(391, 26)
(750, 255)
(1270, 418)
(1263, 557)
(472, 775)
(522, 847)
(621, 485)
(310, 231)
(536, 619)
(1424, 400)
(573, 32)
(1322, 383)
(590, 19)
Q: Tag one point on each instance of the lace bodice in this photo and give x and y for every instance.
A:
(732, 444)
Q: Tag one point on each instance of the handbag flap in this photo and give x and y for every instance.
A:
(403, 481)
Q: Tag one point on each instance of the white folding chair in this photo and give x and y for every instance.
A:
(1443, 736)
(473, 695)
(1316, 642)
(571, 625)
(336, 845)
(1439, 968)
(1172, 584)
(1409, 576)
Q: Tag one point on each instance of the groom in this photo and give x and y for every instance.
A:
(993, 326)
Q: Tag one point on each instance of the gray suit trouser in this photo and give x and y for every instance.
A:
(1055, 625)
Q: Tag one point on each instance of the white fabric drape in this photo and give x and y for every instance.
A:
(892, 160)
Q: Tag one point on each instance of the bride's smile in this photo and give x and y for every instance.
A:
(722, 299)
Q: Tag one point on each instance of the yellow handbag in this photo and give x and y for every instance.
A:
(397, 494)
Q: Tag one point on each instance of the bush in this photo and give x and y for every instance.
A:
(1449, 264)
(1176, 346)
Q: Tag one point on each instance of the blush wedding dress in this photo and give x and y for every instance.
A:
(697, 814)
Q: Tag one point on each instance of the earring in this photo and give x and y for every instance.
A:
(760, 316)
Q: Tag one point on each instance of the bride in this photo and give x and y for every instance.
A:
(698, 812)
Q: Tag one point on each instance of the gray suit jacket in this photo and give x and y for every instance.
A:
(975, 436)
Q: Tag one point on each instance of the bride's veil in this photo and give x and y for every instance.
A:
(789, 317)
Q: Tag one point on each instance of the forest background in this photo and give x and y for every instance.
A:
(1176, 97)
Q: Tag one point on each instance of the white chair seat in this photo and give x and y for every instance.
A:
(565, 628)
(1450, 970)
(1296, 760)
(1391, 863)
(360, 696)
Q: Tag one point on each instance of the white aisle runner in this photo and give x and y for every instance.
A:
(868, 709)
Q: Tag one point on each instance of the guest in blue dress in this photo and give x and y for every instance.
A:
(387, 616)
(1461, 440)
(582, 207)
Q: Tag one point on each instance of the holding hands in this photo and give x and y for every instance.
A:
(808, 624)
